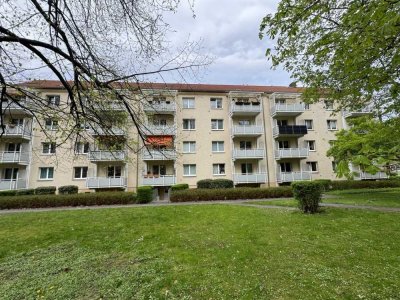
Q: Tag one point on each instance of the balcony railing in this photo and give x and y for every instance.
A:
(14, 157)
(366, 176)
(107, 131)
(287, 109)
(245, 109)
(109, 105)
(105, 182)
(293, 176)
(12, 184)
(361, 112)
(248, 130)
(18, 131)
(160, 130)
(248, 153)
(250, 178)
(163, 107)
(106, 155)
(290, 130)
(291, 153)
(158, 180)
(164, 154)
(12, 106)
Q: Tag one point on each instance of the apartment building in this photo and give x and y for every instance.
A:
(254, 135)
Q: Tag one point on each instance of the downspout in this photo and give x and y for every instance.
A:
(265, 143)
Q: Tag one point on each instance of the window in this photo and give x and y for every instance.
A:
(218, 169)
(217, 124)
(80, 172)
(283, 144)
(189, 147)
(189, 124)
(245, 145)
(114, 171)
(160, 122)
(312, 166)
(188, 103)
(14, 147)
(246, 168)
(46, 173)
(159, 170)
(51, 124)
(11, 173)
(81, 147)
(332, 124)
(328, 105)
(244, 122)
(311, 145)
(280, 101)
(307, 106)
(282, 123)
(309, 124)
(334, 166)
(17, 122)
(189, 170)
(286, 167)
(218, 146)
(216, 103)
(53, 100)
(49, 148)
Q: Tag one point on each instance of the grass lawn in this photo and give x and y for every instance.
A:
(200, 252)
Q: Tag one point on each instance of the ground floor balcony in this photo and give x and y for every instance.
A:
(106, 182)
(248, 153)
(247, 130)
(368, 176)
(101, 156)
(162, 154)
(293, 176)
(159, 180)
(250, 178)
(14, 157)
(12, 184)
(291, 153)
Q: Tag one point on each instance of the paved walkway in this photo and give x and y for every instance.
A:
(229, 202)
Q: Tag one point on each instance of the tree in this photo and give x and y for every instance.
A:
(99, 50)
(372, 144)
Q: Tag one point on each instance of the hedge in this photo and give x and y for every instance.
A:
(308, 194)
(144, 194)
(230, 194)
(83, 199)
(215, 184)
(8, 193)
(363, 184)
(179, 187)
(25, 192)
(68, 189)
(326, 183)
(45, 190)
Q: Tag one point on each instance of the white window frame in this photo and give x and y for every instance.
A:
(307, 106)
(190, 122)
(51, 148)
(47, 170)
(81, 172)
(218, 146)
(115, 168)
(217, 124)
(219, 169)
(53, 100)
(82, 148)
(311, 142)
(188, 103)
(328, 105)
(191, 147)
(311, 122)
(310, 166)
(329, 124)
(191, 168)
(51, 124)
(216, 103)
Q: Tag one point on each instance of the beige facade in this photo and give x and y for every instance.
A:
(252, 135)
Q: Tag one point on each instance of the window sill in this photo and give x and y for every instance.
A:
(333, 129)
(219, 175)
(218, 151)
(42, 179)
(189, 175)
(47, 154)
(188, 129)
(188, 152)
(79, 179)
(217, 129)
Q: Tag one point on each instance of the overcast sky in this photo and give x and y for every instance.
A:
(229, 31)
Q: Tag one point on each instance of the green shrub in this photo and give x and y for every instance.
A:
(82, 199)
(204, 184)
(68, 189)
(144, 194)
(8, 193)
(363, 184)
(179, 187)
(25, 192)
(230, 194)
(222, 184)
(326, 183)
(308, 194)
(45, 190)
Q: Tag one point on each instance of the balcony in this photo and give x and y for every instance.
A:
(164, 154)
(106, 182)
(248, 153)
(107, 131)
(250, 178)
(291, 153)
(17, 131)
(160, 130)
(247, 130)
(158, 180)
(13, 108)
(293, 176)
(287, 110)
(12, 184)
(100, 156)
(109, 105)
(14, 157)
(368, 176)
(289, 131)
(248, 109)
(160, 108)
(358, 113)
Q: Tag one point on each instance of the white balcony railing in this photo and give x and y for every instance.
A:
(287, 109)
(105, 182)
(250, 178)
(366, 176)
(247, 130)
(160, 130)
(249, 108)
(164, 154)
(14, 157)
(161, 180)
(107, 131)
(361, 112)
(162, 107)
(21, 131)
(291, 153)
(109, 105)
(12, 106)
(248, 153)
(106, 155)
(12, 184)
(293, 176)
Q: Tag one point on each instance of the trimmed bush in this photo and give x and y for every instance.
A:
(82, 199)
(230, 194)
(179, 187)
(25, 192)
(204, 184)
(308, 194)
(326, 183)
(45, 190)
(68, 189)
(8, 193)
(364, 184)
(144, 194)
(215, 184)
